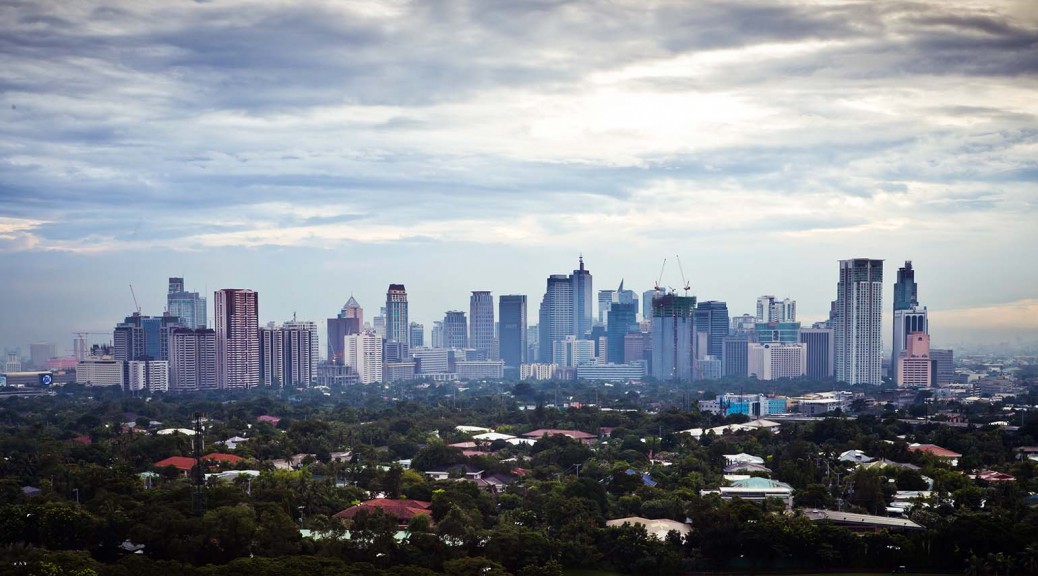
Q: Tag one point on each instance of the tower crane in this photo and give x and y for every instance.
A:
(135, 304)
(683, 280)
(660, 278)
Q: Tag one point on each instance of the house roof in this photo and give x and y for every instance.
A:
(760, 483)
(575, 434)
(268, 418)
(659, 527)
(863, 520)
(934, 450)
(178, 462)
(402, 510)
(221, 457)
(994, 476)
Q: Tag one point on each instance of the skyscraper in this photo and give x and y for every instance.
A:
(188, 306)
(192, 360)
(397, 326)
(481, 323)
(237, 338)
(819, 352)
(673, 332)
(286, 356)
(623, 319)
(582, 300)
(363, 353)
(455, 330)
(349, 321)
(417, 337)
(512, 319)
(857, 322)
(914, 365)
(315, 345)
(605, 300)
(556, 315)
(141, 337)
(908, 315)
(436, 334)
(712, 318)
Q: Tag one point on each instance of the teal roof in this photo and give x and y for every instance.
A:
(755, 482)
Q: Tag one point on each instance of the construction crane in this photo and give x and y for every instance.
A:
(135, 304)
(660, 278)
(683, 280)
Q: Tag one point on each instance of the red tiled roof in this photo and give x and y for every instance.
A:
(402, 510)
(994, 476)
(221, 457)
(267, 418)
(84, 439)
(178, 462)
(935, 450)
(576, 434)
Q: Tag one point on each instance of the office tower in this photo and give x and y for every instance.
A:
(777, 332)
(764, 308)
(571, 352)
(734, 355)
(512, 331)
(311, 327)
(417, 335)
(350, 320)
(859, 305)
(944, 366)
(436, 334)
(774, 361)
(147, 376)
(743, 323)
(286, 356)
(188, 306)
(914, 365)
(79, 347)
(481, 323)
(906, 295)
(623, 319)
(455, 330)
(598, 336)
(143, 337)
(711, 316)
(647, 298)
(192, 360)
(40, 353)
(363, 353)
(582, 301)
(673, 330)
(556, 315)
(906, 321)
(605, 300)
(397, 325)
(769, 309)
(820, 351)
(430, 360)
(237, 338)
(378, 323)
(626, 296)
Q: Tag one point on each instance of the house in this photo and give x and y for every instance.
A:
(746, 468)
(402, 510)
(232, 442)
(936, 451)
(182, 431)
(492, 437)
(884, 463)
(577, 435)
(992, 476)
(855, 456)
(742, 458)
(861, 522)
(221, 458)
(182, 463)
(472, 429)
(658, 528)
(444, 472)
(756, 490)
(646, 477)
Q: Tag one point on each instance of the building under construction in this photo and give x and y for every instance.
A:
(673, 334)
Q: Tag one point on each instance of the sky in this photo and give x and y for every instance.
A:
(314, 150)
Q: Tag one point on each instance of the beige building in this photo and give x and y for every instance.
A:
(773, 361)
(914, 366)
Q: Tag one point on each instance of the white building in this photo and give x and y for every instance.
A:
(773, 361)
(431, 360)
(148, 375)
(100, 372)
(537, 371)
(611, 372)
(570, 352)
(363, 353)
(857, 319)
(480, 369)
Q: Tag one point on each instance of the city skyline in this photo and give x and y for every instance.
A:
(317, 150)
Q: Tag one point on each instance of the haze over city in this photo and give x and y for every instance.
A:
(311, 152)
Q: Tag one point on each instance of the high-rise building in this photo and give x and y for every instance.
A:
(141, 337)
(570, 352)
(673, 332)
(417, 337)
(40, 352)
(237, 338)
(735, 355)
(188, 306)
(512, 331)
(583, 301)
(192, 360)
(397, 325)
(13, 363)
(777, 332)
(906, 321)
(906, 291)
(147, 376)
(944, 366)
(349, 321)
(364, 354)
(647, 298)
(481, 323)
(286, 356)
(857, 322)
(436, 334)
(623, 319)
(455, 330)
(770, 309)
(605, 300)
(820, 351)
(315, 345)
(556, 315)
(774, 361)
(711, 316)
(914, 365)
